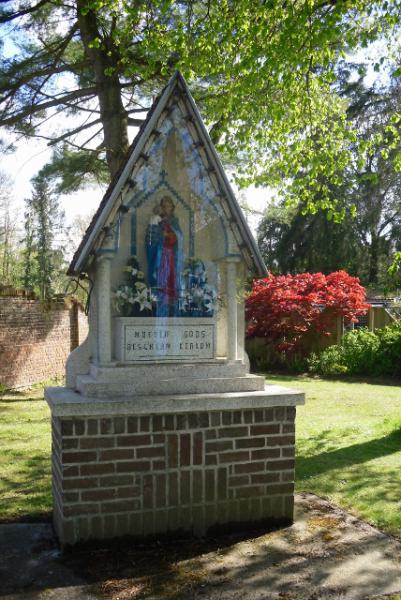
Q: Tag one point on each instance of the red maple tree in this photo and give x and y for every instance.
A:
(286, 309)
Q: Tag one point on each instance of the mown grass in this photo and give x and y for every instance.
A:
(349, 445)
(25, 445)
(348, 449)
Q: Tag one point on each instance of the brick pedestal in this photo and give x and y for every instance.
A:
(144, 474)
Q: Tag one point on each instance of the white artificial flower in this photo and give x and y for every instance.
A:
(142, 298)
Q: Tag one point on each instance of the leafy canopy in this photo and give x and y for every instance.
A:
(262, 72)
(294, 240)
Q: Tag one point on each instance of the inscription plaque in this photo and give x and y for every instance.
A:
(171, 340)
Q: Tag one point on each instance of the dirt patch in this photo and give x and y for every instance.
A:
(327, 554)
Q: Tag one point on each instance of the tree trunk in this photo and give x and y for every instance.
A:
(103, 57)
(374, 258)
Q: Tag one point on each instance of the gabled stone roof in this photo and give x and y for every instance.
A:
(242, 233)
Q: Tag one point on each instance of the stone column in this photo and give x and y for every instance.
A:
(232, 325)
(104, 309)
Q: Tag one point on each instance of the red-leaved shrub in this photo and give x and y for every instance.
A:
(286, 309)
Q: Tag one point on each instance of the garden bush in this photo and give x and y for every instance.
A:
(328, 362)
(293, 312)
(362, 352)
(388, 360)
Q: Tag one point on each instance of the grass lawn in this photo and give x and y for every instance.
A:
(349, 446)
(348, 449)
(25, 444)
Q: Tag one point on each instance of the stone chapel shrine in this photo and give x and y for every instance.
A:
(161, 427)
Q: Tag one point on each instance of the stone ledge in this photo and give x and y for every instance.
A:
(64, 402)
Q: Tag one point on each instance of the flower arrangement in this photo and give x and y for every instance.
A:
(199, 302)
(123, 298)
(200, 298)
(133, 298)
(133, 271)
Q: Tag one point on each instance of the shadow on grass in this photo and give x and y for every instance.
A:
(11, 392)
(11, 400)
(13, 396)
(355, 480)
(317, 464)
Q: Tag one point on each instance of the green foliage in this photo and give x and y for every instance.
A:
(394, 271)
(362, 352)
(360, 349)
(292, 242)
(368, 195)
(329, 362)
(263, 73)
(71, 169)
(389, 355)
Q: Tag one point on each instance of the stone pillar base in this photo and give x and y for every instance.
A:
(119, 470)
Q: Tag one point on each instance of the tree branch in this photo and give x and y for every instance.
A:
(6, 18)
(24, 80)
(81, 108)
(93, 150)
(59, 54)
(67, 134)
(138, 110)
(387, 222)
(44, 105)
(134, 122)
(98, 132)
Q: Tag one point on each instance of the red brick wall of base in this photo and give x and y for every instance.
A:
(147, 475)
(35, 340)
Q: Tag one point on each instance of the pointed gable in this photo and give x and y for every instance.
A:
(173, 128)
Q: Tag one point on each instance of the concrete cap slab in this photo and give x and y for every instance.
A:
(64, 402)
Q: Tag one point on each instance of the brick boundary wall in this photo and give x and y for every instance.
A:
(35, 341)
(194, 472)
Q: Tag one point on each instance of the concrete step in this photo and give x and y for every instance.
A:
(131, 373)
(88, 386)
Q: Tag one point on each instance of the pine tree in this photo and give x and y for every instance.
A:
(29, 272)
(43, 222)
